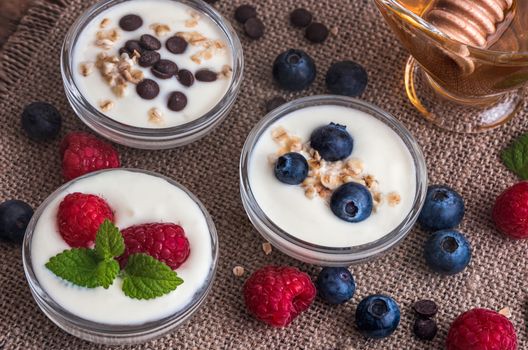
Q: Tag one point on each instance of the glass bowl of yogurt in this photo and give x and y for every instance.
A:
(152, 74)
(108, 316)
(386, 160)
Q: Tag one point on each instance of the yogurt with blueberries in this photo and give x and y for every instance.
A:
(136, 199)
(152, 63)
(332, 176)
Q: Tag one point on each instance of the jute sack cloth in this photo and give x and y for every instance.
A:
(30, 171)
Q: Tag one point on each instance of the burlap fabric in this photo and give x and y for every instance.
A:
(30, 171)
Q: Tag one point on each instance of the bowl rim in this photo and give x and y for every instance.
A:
(313, 253)
(93, 115)
(108, 333)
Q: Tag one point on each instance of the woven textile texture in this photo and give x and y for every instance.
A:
(30, 171)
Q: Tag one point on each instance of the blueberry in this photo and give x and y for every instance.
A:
(351, 202)
(14, 218)
(346, 78)
(377, 316)
(41, 121)
(291, 168)
(335, 285)
(294, 70)
(447, 252)
(333, 142)
(443, 209)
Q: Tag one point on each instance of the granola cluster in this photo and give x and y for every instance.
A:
(325, 177)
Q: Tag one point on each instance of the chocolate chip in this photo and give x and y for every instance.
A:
(425, 329)
(149, 42)
(317, 32)
(205, 75)
(245, 12)
(425, 308)
(176, 44)
(149, 58)
(185, 77)
(211, 1)
(177, 101)
(301, 18)
(133, 45)
(164, 69)
(130, 23)
(275, 102)
(254, 28)
(147, 89)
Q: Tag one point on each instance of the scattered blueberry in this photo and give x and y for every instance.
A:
(443, 209)
(335, 285)
(294, 70)
(351, 202)
(333, 142)
(377, 316)
(447, 252)
(14, 218)
(291, 168)
(41, 121)
(346, 78)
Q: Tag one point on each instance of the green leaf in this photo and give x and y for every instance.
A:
(109, 242)
(107, 271)
(515, 157)
(83, 267)
(147, 278)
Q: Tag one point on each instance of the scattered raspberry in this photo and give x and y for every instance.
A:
(165, 242)
(276, 295)
(481, 329)
(80, 216)
(511, 210)
(83, 153)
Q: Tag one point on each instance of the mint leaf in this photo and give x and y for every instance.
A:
(147, 278)
(515, 157)
(80, 266)
(109, 242)
(106, 272)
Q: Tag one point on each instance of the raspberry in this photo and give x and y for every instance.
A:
(80, 216)
(276, 295)
(481, 329)
(83, 153)
(165, 242)
(511, 210)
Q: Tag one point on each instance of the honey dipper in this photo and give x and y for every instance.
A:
(470, 22)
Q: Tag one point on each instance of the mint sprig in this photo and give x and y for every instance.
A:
(147, 278)
(144, 277)
(515, 157)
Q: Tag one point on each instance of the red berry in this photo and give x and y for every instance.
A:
(83, 153)
(481, 329)
(510, 213)
(276, 295)
(165, 242)
(80, 216)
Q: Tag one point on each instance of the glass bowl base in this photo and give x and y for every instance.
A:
(454, 113)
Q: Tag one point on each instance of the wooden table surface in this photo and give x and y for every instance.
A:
(10, 13)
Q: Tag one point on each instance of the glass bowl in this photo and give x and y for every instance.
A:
(150, 138)
(323, 255)
(110, 334)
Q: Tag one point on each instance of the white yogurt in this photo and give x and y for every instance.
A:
(382, 151)
(136, 199)
(132, 109)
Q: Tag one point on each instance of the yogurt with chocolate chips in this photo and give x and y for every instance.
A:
(152, 63)
(380, 161)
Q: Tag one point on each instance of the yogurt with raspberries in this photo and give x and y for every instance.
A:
(383, 158)
(100, 82)
(136, 198)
